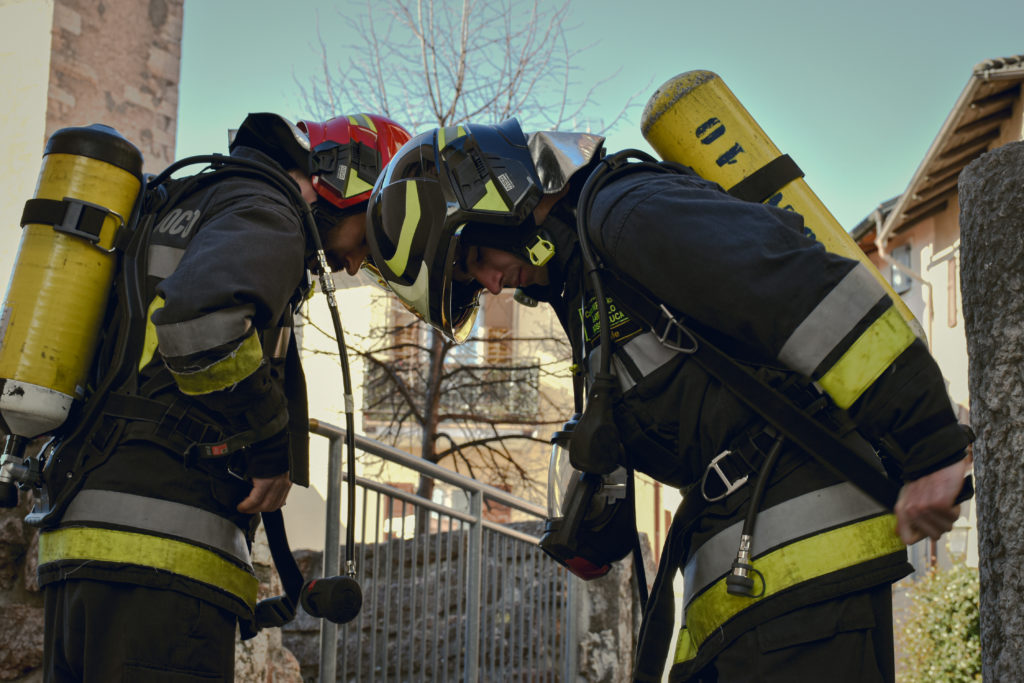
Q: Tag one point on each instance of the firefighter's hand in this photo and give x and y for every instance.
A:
(267, 495)
(926, 506)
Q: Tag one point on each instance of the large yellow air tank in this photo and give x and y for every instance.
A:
(58, 292)
(694, 119)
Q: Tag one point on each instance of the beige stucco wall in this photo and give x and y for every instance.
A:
(24, 77)
(934, 245)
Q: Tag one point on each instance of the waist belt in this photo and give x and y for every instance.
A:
(180, 429)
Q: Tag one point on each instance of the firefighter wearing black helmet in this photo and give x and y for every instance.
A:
(153, 503)
(474, 207)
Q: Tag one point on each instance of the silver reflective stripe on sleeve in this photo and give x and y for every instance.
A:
(831, 320)
(793, 519)
(205, 332)
(163, 260)
(644, 350)
(159, 516)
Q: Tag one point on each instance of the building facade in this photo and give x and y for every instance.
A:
(914, 240)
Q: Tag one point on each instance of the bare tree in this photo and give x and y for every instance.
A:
(429, 63)
(477, 407)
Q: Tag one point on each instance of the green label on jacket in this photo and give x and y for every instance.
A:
(621, 324)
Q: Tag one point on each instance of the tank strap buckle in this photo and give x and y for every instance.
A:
(71, 216)
(730, 486)
(673, 335)
(734, 466)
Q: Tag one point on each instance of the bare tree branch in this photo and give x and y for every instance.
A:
(430, 63)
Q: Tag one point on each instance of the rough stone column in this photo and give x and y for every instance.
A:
(992, 282)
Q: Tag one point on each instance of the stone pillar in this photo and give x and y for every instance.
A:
(992, 281)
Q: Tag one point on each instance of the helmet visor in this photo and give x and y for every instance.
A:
(460, 295)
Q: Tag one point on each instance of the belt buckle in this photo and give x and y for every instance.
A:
(730, 486)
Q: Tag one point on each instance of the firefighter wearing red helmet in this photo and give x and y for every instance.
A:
(152, 502)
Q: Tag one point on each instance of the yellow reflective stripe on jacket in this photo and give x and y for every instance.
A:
(110, 545)
(786, 567)
(226, 372)
(867, 358)
(166, 518)
(150, 344)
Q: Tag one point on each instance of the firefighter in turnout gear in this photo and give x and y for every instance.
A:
(153, 495)
(470, 208)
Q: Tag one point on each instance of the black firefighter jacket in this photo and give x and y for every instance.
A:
(224, 267)
(747, 276)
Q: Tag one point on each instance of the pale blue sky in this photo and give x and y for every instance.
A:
(855, 92)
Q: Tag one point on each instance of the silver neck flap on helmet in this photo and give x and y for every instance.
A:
(558, 155)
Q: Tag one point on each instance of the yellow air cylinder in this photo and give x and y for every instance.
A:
(58, 291)
(694, 119)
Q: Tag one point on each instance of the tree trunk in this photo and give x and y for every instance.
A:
(992, 283)
(425, 488)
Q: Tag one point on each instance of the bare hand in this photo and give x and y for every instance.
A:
(267, 495)
(925, 506)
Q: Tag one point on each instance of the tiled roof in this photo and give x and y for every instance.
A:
(975, 121)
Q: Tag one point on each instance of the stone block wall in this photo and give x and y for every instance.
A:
(117, 62)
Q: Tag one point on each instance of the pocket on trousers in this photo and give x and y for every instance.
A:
(817, 622)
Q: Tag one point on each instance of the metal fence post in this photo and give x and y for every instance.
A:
(474, 584)
(529, 590)
(572, 649)
(332, 558)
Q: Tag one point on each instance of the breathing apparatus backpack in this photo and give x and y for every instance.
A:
(86, 199)
(74, 315)
(73, 324)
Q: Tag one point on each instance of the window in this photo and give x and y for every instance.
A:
(901, 282)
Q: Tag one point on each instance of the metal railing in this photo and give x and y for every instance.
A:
(448, 595)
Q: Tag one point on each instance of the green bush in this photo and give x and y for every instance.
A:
(940, 637)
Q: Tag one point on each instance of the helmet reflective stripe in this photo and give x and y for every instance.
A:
(442, 135)
(349, 152)
(416, 295)
(356, 185)
(366, 122)
(400, 260)
(492, 200)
